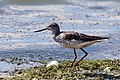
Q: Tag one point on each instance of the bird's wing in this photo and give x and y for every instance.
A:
(80, 37)
(86, 38)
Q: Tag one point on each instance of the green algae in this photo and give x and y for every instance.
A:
(87, 69)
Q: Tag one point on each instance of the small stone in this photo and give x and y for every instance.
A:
(70, 18)
(53, 18)
(52, 63)
(34, 79)
(107, 69)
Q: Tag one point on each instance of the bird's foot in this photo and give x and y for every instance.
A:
(75, 64)
(71, 65)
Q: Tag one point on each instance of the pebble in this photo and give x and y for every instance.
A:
(107, 69)
(52, 63)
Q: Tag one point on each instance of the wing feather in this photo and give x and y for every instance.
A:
(80, 37)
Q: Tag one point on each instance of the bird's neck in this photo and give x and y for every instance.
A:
(55, 32)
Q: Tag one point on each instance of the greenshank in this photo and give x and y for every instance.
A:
(73, 40)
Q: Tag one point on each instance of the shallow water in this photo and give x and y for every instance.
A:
(17, 23)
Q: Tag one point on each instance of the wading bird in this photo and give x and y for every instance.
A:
(73, 40)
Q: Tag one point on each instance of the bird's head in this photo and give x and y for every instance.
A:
(54, 27)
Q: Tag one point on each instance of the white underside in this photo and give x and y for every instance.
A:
(80, 45)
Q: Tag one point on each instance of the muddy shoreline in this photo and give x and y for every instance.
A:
(92, 69)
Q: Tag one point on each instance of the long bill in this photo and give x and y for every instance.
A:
(40, 30)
